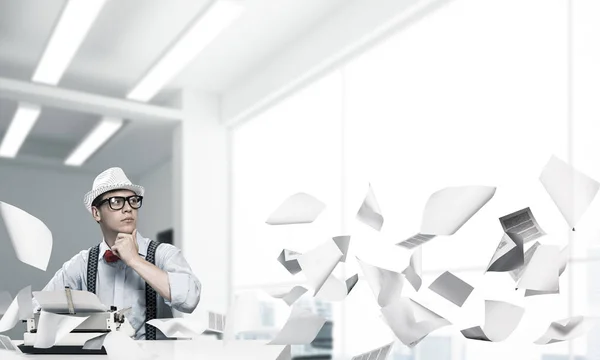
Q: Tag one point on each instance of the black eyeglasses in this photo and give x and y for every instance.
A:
(118, 202)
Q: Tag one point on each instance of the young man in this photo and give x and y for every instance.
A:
(126, 275)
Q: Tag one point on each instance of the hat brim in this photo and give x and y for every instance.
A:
(90, 196)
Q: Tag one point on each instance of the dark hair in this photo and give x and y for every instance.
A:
(97, 200)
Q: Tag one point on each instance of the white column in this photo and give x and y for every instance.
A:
(201, 196)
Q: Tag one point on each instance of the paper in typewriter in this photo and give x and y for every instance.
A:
(56, 301)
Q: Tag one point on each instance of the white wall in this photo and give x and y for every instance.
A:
(56, 198)
(156, 214)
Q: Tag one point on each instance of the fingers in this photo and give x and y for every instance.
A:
(115, 250)
(124, 236)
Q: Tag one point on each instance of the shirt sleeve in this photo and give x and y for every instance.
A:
(70, 274)
(184, 285)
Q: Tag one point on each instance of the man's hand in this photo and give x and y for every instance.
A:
(126, 247)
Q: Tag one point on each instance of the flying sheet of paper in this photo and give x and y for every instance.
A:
(447, 210)
(318, 263)
(571, 190)
(410, 321)
(289, 296)
(522, 222)
(25, 303)
(563, 260)
(289, 260)
(351, 282)
(516, 273)
(415, 241)
(301, 328)
(5, 300)
(369, 212)
(179, 327)
(14, 313)
(386, 284)
(529, 292)
(95, 343)
(451, 288)
(30, 237)
(380, 353)
(216, 322)
(56, 301)
(566, 329)
(286, 353)
(508, 255)
(119, 346)
(542, 272)
(53, 327)
(7, 344)
(413, 271)
(300, 208)
(501, 319)
(335, 289)
(343, 243)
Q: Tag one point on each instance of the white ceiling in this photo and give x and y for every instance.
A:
(127, 38)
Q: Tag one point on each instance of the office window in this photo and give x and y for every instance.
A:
(293, 147)
(457, 98)
(460, 98)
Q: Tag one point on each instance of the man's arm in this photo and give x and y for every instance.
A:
(171, 277)
(158, 279)
(185, 288)
(176, 283)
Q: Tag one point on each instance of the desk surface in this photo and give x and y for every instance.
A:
(198, 349)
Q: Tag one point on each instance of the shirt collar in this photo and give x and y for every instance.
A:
(141, 241)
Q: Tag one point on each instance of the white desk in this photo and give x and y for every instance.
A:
(199, 349)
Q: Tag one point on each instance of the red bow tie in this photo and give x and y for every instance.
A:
(109, 256)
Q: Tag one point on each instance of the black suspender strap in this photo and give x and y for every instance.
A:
(92, 271)
(151, 294)
(92, 268)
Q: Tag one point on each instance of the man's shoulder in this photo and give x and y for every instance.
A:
(165, 251)
(166, 248)
(77, 260)
(83, 254)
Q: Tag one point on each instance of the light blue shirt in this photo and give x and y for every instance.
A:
(119, 285)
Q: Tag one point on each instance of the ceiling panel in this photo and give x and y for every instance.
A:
(63, 125)
(264, 30)
(25, 28)
(7, 111)
(126, 39)
(137, 147)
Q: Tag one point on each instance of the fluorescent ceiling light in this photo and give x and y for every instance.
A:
(193, 41)
(21, 125)
(94, 140)
(75, 21)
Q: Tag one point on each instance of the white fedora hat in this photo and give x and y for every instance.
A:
(110, 179)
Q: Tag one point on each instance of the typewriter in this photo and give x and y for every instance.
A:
(100, 321)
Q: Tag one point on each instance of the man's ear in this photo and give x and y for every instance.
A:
(96, 214)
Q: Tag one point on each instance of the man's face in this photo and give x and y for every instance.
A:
(119, 221)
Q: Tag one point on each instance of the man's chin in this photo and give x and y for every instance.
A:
(127, 228)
